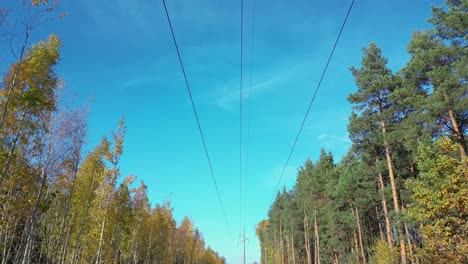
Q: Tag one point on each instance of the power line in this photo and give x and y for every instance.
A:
(312, 101)
(240, 113)
(196, 116)
(249, 111)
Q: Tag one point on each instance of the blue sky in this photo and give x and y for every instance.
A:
(120, 54)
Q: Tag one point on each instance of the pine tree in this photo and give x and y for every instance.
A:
(438, 65)
(375, 84)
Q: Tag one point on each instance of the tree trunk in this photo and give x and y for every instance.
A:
(356, 246)
(292, 246)
(12, 148)
(31, 225)
(388, 226)
(7, 231)
(147, 258)
(137, 244)
(65, 246)
(83, 219)
(104, 221)
(412, 169)
(101, 236)
(67, 227)
(317, 239)
(396, 203)
(281, 243)
(410, 247)
(334, 256)
(6, 247)
(15, 77)
(378, 222)
(360, 236)
(458, 133)
(276, 247)
(306, 237)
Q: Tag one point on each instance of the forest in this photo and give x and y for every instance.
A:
(400, 194)
(60, 203)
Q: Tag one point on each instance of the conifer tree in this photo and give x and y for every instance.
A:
(375, 84)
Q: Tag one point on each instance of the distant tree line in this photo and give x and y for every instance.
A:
(400, 195)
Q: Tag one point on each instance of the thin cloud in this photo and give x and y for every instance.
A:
(226, 96)
(331, 141)
(137, 82)
(106, 15)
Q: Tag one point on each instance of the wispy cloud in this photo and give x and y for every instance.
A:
(137, 81)
(107, 15)
(226, 96)
(331, 141)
